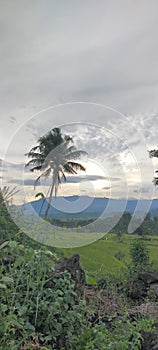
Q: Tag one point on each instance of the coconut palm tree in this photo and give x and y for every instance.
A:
(54, 156)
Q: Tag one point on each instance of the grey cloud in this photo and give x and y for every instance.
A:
(69, 179)
(7, 166)
(102, 53)
(12, 120)
(110, 60)
(20, 182)
(75, 179)
(143, 190)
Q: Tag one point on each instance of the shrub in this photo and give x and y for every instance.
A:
(139, 254)
(36, 307)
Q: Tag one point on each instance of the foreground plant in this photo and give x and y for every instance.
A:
(36, 307)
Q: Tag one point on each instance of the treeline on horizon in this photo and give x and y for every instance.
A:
(148, 227)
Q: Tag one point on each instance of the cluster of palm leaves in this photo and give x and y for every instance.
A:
(6, 194)
(154, 154)
(55, 155)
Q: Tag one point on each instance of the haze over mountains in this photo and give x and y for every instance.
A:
(86, 207)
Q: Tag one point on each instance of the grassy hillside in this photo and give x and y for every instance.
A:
(109, 255)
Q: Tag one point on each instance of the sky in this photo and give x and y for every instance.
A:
(90, 68)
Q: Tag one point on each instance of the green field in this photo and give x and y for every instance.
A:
(100, 258)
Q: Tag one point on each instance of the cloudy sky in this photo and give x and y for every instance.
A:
(92, 68)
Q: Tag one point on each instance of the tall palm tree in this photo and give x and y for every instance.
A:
(54, 156)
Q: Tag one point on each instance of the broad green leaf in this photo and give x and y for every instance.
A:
(7, 280)
(4, 244)
(91, 280)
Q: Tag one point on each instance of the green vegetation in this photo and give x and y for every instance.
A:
(139, 254)
(125, 336)
(36, 307)
(40, 310)
(102, 256)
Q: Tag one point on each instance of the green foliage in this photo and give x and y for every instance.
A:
(10, 231)
(119, 235)
(39, 194)
(7, 194)
(34, 303)
(91, 280)
(37, 308)
(94, 338)
(124, 336)
(105, 252)
(139, 254)
(7, 226)
(90, 224)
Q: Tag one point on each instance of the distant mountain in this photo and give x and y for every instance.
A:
(88, 207)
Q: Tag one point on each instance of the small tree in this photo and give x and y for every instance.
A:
(119, 235)
(139, 254)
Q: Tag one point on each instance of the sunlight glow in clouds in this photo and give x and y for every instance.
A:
(117, 153)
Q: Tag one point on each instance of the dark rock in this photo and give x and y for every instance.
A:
(154, 288)
(145, 281)
(137, 289)
(61, 342)
(150, 340)
(149, 277)
(72, 265)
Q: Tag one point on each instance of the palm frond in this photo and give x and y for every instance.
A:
(4, 190)
(69, 149)
(153, 153)
(63, 175)
(155, 181)
(32, 149)
(68, 139)
(35, 155)
(8, 193)
(76, 154)
(44, 174)
(36, 168)
(76, 166)
(69, 169)
(35, 161)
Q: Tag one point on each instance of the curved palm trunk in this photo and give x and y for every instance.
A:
(49, 200)
(44, 199)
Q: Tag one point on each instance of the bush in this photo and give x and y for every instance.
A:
(139, 254)
(36, 308)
